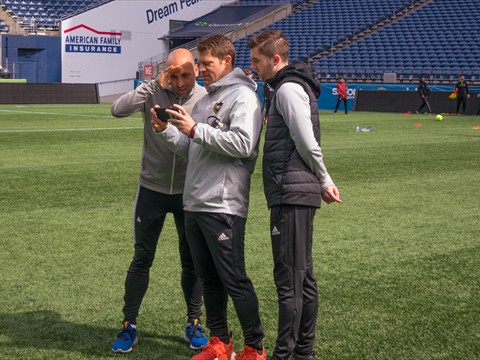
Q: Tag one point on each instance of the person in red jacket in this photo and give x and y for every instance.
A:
(342, 94)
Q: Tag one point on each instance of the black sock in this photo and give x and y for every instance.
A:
(224, 339)
(258, 347)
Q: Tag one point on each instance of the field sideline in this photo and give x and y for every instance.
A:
(397, 263)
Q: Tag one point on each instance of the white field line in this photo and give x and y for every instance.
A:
(79, 129)
(59, 130)
(53, 113)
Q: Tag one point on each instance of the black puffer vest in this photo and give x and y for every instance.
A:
(287, 179)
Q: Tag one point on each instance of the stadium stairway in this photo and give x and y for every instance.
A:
(327, 23)
(10, 24)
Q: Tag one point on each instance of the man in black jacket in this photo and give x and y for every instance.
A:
(462, 93)
(424, 92)
(295, 181)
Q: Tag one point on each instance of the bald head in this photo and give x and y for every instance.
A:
(185, 71)
(180, 56)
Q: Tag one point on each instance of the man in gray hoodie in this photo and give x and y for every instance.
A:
(160, 189)
(220, 139)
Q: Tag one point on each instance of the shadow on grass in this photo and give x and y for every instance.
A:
(44, 330)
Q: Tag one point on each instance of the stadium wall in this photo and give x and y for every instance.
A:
(14, 93)
(37, 58)
(403, 101)
(390, 97)
(329, 95)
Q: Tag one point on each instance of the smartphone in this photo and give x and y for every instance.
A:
(163, 115)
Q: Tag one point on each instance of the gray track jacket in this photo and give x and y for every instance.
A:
(223, 152)
(161, 170)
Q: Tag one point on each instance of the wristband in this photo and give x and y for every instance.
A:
(192, 132)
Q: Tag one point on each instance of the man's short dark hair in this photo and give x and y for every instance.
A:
(270, 43)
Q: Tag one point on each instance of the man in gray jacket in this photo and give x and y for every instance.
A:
(220, 139)
(161, 183)
(295, 182)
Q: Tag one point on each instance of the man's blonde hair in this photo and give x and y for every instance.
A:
(219, 46)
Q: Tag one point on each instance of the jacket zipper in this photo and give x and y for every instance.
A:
(173, 164)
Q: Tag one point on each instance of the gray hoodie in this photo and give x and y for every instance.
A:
(222, 154)
(161, 170)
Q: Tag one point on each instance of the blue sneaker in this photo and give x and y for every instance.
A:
(195, 336)
(126, 339)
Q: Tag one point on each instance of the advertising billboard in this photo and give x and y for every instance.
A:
(105, 45)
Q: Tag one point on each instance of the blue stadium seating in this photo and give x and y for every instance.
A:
(4, 28)
(439, 40)
(45, 14)
(328, 22)
(269, 2)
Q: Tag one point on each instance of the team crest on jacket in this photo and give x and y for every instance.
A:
(217, 106)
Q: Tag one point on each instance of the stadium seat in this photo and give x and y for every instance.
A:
(401, 47)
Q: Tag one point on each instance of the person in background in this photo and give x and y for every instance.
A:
(295, 180)
(248, 72)
(160, 191)
(478, 97)
(342, 94)
(423, 92)
(462, 94)
(220, 139)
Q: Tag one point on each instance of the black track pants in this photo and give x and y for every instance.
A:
(345, 104)
(423, 104)
(151, 209)
(217, 243)
(291, 229)
(463, 101)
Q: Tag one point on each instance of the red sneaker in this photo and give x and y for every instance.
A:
(249, 353)
(215, 350)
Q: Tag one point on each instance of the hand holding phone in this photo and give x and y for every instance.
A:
(163, 115)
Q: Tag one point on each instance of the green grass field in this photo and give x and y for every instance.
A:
(397, 263)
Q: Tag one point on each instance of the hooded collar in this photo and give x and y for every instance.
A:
(299, 70)
(237, 76)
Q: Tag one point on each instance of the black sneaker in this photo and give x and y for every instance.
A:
(303, 357)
